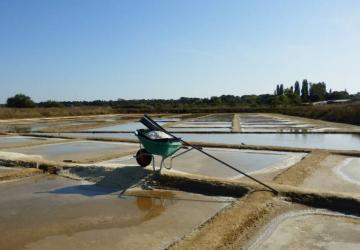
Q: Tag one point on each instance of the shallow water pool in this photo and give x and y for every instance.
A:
(14, 140)
(248, 161)
(128, 127)
(310, 230)
(322, 141)
(66, 214)
(80, 150)
(202, 129)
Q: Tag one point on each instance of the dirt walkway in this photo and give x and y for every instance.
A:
(236, 123)
(189, 118)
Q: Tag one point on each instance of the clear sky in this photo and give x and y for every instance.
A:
(95, 49)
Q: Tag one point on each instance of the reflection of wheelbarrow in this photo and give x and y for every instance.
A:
(164, 147)
(157, 141)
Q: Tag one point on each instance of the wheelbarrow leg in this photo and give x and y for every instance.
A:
(162, 162)
(153, 160)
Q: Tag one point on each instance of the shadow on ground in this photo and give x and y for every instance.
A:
(106, 180)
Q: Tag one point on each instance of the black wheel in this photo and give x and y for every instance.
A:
(143, 158)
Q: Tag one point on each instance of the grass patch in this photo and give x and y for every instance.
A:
(12, 113)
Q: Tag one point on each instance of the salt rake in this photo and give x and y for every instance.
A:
(154, 126)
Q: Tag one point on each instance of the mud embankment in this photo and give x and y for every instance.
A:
(19, 173)
(296, 174)
(231, 224)
(330, 200)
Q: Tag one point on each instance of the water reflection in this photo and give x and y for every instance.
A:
(154, 206)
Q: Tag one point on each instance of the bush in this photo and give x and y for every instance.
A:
(51, 104)
(20, 101)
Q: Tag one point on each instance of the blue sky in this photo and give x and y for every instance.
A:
(87, 49)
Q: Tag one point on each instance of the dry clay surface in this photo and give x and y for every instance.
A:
(336, 173)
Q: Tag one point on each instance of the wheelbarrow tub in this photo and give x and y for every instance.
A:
(162, 147)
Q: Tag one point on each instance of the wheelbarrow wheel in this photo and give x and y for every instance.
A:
(143, 158)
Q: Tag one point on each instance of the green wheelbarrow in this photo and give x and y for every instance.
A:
(165, 147)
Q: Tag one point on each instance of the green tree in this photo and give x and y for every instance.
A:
(264, 99)
(249, 99)
(293, 98)
(20, 101)
(281, 100)
(215, 100)
(281, 89)
(297, 88)
(317, 92)
(338, 95)
(277, 91)
(305, 91)
(288, 91)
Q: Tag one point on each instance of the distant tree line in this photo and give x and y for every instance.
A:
(290, 96)
(309, 92)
